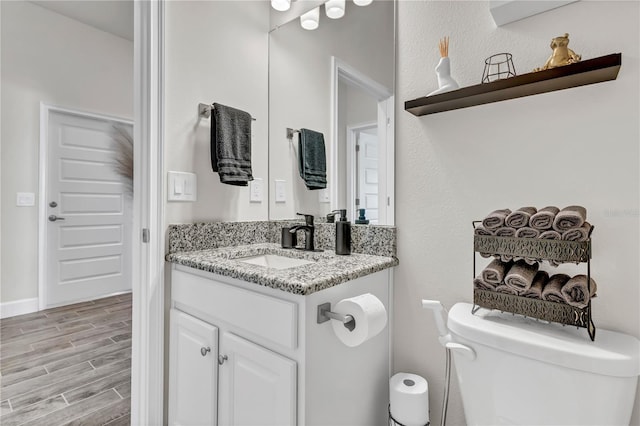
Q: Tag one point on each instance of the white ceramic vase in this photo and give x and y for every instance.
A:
(445, 82)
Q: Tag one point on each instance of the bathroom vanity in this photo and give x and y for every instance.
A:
(246, 346)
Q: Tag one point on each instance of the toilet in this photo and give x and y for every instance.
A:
(514, 370)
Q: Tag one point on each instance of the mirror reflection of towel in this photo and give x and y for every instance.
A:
(231, 145)
(312, 160)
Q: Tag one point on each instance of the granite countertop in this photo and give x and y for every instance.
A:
(328, 270)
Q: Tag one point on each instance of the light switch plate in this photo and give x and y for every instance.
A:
(181, 186)
(256, 190)
(25, 199)
(281, 192)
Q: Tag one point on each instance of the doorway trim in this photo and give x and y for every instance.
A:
(352, 164)
(147, 357)
(341, 71)
(45, 112)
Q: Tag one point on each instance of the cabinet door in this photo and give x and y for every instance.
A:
(193, 371)
(257, 386)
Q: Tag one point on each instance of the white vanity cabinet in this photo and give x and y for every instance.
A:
(246, 354)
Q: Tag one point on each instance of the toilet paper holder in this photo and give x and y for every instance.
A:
(325, 314)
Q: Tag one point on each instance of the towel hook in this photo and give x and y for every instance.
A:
(290, 132)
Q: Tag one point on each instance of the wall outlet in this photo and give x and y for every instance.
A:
(181, 186)
(256, 192)
(281, 192)
(323, 195)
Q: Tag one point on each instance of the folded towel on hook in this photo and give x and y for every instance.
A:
(543, 219)
(231, 145)
(569, 218)
(576, 293)
(520, 276)
(535, 291)
(495, 219)
(577, 234)
(527, 232)
(495, 271)
(552, 291)
(312, 160)
(481, 284)
(520, 217)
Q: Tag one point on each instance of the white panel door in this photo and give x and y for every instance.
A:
(367, 164)
(257, 386)
(193, 371)
(88, 213)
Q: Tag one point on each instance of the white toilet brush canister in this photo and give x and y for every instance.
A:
(408, 400)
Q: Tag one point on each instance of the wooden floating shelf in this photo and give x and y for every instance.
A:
(591, 71)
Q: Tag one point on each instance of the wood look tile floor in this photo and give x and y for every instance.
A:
(67, 366)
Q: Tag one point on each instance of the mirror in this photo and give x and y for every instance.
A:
(338, 80)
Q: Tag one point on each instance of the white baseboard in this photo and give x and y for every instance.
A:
(18, 307)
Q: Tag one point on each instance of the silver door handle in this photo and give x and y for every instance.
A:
(53, 218)
(204, 350)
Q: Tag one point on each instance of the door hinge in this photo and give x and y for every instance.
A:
(357, 148)
(357, 201)
(145, 235)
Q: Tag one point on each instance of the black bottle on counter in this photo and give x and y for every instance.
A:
(343, 234)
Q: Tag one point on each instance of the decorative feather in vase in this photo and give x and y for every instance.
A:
(123, 157)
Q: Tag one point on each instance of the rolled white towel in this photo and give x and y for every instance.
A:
(543, 219)
(535, 291)
(569, 218)
(495, 219)
(520, 217)
(575, 291)
(552, 291)
(577, 234)
(520, 276)
(495, 271)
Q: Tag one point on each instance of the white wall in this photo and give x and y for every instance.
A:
(47, 57)
(577, 146)
(300, 88)
(216, 51)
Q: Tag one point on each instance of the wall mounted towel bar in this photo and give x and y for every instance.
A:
(204, 110)
(290, 132)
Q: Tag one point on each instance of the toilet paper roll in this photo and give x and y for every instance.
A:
(409, 399)
(369, 315)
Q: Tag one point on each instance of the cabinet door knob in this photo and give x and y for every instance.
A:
(222, 359)
(204, 350)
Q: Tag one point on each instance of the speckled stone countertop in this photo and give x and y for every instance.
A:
(328, 270)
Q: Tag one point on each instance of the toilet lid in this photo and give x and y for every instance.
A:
(612, 353)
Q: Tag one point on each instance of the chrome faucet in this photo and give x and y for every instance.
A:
(308, 229)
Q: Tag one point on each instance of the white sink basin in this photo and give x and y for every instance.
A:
(274, 261)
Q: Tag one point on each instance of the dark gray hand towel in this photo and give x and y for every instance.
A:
(312, 160)
(543, 220)
(575, 291)
(520, 276)
(569, 218)
(231, 145)
(495, 219)
(552, 291)
(520, 217)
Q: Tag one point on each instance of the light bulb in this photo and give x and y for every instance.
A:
(281, 5)
(311, 19)
(334, 9)
(362, 2)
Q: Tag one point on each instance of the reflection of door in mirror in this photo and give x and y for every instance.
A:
(366, 172)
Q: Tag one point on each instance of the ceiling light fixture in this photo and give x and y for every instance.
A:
(281, 5)
(362, 2)
(334, 8)
(311, 19)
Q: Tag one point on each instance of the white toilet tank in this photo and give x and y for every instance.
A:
(528, 372)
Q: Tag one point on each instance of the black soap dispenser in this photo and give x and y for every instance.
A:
(343, 234)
